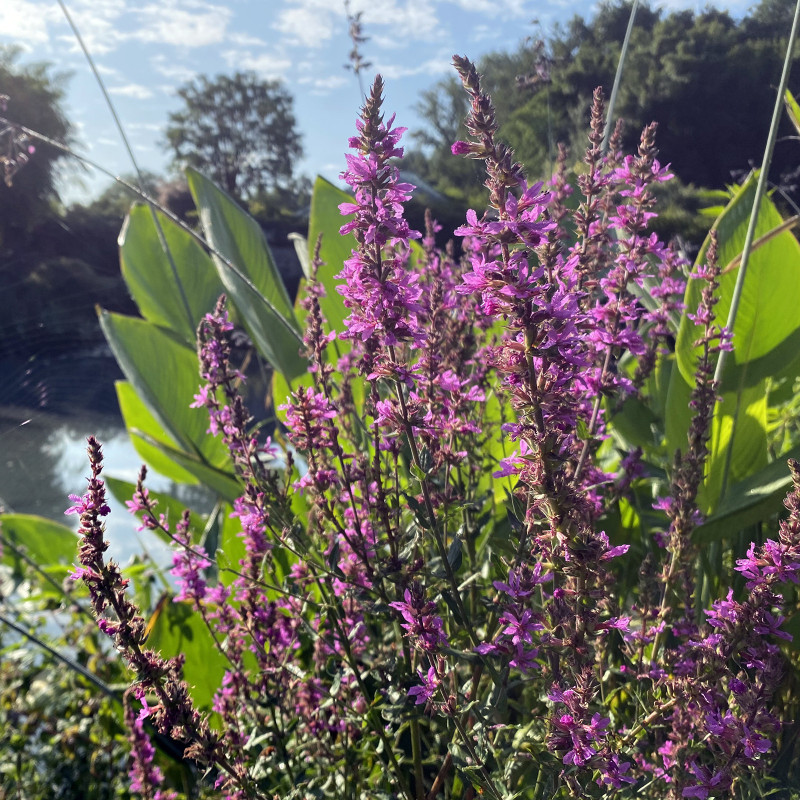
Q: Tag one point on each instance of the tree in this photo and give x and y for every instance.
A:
(238, 130)
(33, 98)
(705, 77)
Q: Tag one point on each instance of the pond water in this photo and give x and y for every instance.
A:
(48, 406)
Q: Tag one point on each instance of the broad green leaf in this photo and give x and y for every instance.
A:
(633, 425)
(498, 446)
(165, 375)
(45, 542)
(253, 283)
(176, 629)
(766, 340)
(745, 412)
(738, 443)
(750, 501)
(150, 278)
(219, 480)
(767, 327)
(231, 545)
(143, 428)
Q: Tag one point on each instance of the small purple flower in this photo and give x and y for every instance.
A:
(426, 690)
(422, 624)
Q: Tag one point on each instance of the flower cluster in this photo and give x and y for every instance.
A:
(173, 715)
(429, 590)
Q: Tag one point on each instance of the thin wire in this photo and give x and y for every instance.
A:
(161, 237)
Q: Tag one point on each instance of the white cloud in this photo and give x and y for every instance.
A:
(415, 20)
(26, 23)
(111, 72)
(433, 66)
(515, 8)
(99, 23)
(182, 24)
(169, 68)
(309, 23)
(245, 40)
(325, 83)
(386, 43)
(265, 64)
(135, 90)
(152, 127)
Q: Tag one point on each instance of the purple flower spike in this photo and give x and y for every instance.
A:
(383, 296)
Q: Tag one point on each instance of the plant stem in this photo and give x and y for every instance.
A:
(162, 239)
(73, 665)
(153, 203)
(618, 78)
(751, 228)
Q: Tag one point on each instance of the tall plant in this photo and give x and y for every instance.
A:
(444, 571)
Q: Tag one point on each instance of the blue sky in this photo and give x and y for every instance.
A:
(146, 49)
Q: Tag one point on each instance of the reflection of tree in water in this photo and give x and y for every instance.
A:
(42, 459)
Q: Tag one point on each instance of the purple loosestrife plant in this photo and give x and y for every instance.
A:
(432, 596)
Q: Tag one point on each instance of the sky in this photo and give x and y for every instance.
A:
(146, 49)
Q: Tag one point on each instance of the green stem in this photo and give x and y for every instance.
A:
(760, 187)
(371, 715)
(73, 665)
(36, 568)
(618, 78)
(162, 239)
(153, 203)
(751, 228)
(416, 751)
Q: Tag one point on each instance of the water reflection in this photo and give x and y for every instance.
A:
(43, 446)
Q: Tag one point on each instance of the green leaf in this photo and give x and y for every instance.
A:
(151, 280)
(175, 629)
(792, 109)
(749, 501)
(738, 443)
(250, 276)
(745, 413)
(219, 480)
(45, 542)
(633, 425)
(767, 327)
(766, 340)
(335, 249)
(165, 375)
(498, 447)
(231, 544)
(144, 428)
(455, 554)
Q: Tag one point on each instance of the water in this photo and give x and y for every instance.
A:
(48, 406)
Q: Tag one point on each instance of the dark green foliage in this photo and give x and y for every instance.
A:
(116, 199)
(704, 77)
(60, 740)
